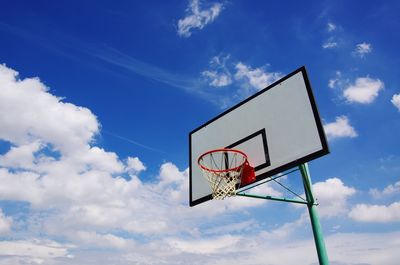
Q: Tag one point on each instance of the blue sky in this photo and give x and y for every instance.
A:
(97, 100)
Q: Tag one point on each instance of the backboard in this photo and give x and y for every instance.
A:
(278, 128)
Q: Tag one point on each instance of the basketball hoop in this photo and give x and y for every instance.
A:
(224, 170)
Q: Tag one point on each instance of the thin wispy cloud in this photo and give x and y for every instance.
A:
(330, 27)
(84, 53)
(223, 70)
(362, 49)
(193, 85)
(257, 78)
(235, 79)
(134, 142)
(331, 41)
(217, 79)
(336, 81)
(329, 45)
(118, 58)
(197, 18)
(219, 74)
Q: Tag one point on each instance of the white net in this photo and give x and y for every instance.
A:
(223, 171)
(222, 184)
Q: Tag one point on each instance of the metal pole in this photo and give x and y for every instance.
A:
(271, 198)
(312, 209)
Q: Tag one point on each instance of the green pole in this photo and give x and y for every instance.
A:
(271, 198)
(312, 209)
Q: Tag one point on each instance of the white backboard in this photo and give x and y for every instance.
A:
(278, 128)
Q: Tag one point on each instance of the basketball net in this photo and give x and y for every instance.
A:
(223, 169)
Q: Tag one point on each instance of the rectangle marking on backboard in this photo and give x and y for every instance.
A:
(255, 146)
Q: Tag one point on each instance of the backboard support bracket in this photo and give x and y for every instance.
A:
(311, 205)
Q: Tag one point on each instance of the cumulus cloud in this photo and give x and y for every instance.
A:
(197, 18)
(376, 213)
(396, 101)
(134, 165)
(363, 49)
(80, 192)
(66, 126)
(332, 194)
(96, 202)
(363, 91)
(52, 162)
(257, 78)
(340, 128)
(387, 191)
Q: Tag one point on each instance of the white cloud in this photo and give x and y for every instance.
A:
(22, 156)
(335, 82)
(243, 80)
(257, 78)
(332, 196)
(86, 192)
(362, 49)
(233, 227)
(35, 251)
(340, 128)
(169, 173)
(387, 191)
(376, 213)
(329, 45)
(205, 246)
(219, 74)
(364, 91)
(286, 230)
(332, 83)
(330, 27)
(332, 41)
(134, 165)
(363, 248)
(102, 240)
(64, 125)
(197, 18)
(217, 79)
(5, 223)
(83, 195)
(343, 249)
(238, 203)
(396, 101)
